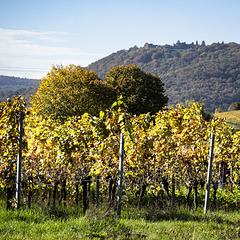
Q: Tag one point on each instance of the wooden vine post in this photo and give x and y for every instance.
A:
(173, 191)
(209, 174)
(119, 193)
(97, 190)
(19, 160)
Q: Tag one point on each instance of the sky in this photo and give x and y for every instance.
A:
(38, 34)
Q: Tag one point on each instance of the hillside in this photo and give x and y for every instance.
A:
(232, 118)
(209, 74)
(14, 86)
(13, 83)
(25, 92)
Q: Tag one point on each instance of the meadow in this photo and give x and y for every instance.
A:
(232, 118)
(66, 222)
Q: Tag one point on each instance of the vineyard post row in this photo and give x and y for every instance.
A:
(120, 179)
(172, 144)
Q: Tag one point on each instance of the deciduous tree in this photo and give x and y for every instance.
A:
(70, 91)
(142, 92)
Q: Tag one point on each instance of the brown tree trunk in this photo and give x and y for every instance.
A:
(29, 198)
(111, 191)
(9, 191)
(142, 192)
(49, 196)
(166, 187)
(77, 194)
(215, 187)
(97, 190)
(188, 196)
(54, 193)
(85, 195)
(173, 191)
(63, 194)
(89, 188)
(195, 192)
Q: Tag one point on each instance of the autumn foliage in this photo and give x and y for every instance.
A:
(72, 91)
(172, 143)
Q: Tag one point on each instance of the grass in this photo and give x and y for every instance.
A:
(146, 223)
(232, 118)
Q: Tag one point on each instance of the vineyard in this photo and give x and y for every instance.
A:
(77, 162)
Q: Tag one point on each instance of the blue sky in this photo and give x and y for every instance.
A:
(36, 34)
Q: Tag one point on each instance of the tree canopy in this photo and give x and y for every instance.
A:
(72, 91)
(69, 91)
(142, 92)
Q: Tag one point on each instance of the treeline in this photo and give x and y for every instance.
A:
(209, 74)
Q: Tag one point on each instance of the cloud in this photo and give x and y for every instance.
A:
(43, 36)
(30, 49)
(22, 42)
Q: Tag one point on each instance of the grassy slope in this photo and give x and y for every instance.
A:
(67, 223)
(232, 118)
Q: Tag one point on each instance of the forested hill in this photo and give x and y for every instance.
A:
(13, 83)
(14, 86)
(209, 74)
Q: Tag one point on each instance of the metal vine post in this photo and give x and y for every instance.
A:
(19, 160)
(119, 193)
(209, 174)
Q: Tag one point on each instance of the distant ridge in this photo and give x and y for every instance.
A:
(209, 74)
(14, 86)
(13, 83)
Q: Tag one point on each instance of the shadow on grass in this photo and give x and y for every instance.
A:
(154, 214)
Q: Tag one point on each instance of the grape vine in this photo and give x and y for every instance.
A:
(59, 158)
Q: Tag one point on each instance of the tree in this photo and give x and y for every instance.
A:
(142, 92)
(234, 106)
(70, 91)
